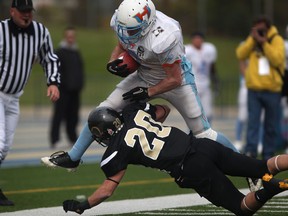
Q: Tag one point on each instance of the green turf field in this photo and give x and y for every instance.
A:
(36, 187)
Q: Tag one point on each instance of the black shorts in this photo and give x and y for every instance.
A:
(205, 171)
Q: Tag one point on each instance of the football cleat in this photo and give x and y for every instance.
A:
(4, 201)
(271, 183)
(61, 159)
(254, 184)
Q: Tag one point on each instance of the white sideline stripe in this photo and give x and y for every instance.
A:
(127, 206)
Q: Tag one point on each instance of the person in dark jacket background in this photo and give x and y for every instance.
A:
(66, 109)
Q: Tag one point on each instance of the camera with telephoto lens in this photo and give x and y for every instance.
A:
(261, 32)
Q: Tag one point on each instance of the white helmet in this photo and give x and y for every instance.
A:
(134, 19)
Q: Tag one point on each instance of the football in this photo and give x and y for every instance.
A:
(132, 64)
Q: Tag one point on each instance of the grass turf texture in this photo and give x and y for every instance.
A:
(276, 207)
(36, 187)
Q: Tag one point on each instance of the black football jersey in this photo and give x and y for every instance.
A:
(144, 141)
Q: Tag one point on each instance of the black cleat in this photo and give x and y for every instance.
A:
(61, 159)
(274, 185)
(4, 200)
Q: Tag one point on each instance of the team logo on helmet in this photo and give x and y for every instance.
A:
(139, 16)
(110, 131)
(96, 131)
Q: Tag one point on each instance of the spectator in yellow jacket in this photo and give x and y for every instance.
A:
(264, 48)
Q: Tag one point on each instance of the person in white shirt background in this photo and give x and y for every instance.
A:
(203, 56)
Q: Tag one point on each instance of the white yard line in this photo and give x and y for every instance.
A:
(126, 206)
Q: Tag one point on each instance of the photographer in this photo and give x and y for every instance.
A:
(264, 50)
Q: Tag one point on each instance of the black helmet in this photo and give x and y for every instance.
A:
(103, 123)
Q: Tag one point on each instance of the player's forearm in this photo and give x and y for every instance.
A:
(99, 196)
(106, 189)
(116, 52)
(164, 86)
(173, 80)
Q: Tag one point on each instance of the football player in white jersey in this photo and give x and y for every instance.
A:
(203, 56)
(155, 41)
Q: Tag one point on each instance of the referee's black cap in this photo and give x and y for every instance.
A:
(22, 5)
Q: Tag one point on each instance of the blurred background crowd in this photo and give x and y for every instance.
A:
(221, 17)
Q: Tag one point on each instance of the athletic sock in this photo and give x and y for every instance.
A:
(225, 142)
(83, 142)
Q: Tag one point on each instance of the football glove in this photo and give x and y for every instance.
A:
(136, 94)
(75, 206)
(114, 68)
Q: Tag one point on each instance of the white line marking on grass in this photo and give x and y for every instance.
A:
(127, 206)
(189, 210)
(273, 211)
(274, 206)
(189, 213)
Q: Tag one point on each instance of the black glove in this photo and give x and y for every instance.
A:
(136, 94)
(75, 206)
(121, 71)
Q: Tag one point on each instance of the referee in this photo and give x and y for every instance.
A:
(23, 42)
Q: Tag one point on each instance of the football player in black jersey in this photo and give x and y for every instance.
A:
(135, 137)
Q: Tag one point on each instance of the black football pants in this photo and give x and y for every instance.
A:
(206, 172)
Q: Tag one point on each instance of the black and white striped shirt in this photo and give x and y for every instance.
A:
(19, 50)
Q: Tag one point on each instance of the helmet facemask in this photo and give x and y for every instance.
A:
(100, 137)
(131, 35)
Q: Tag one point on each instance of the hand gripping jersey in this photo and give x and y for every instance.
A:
(163, 45)
(201, 63)
(146, 142)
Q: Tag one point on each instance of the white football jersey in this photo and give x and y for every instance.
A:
(201, 63)
(162, 45)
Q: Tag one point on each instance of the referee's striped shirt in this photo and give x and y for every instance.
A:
(19, 50)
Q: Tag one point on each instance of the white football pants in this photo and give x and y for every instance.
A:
(9, 116)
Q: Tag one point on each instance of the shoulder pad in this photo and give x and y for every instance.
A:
(210, 47)
(164, 44)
